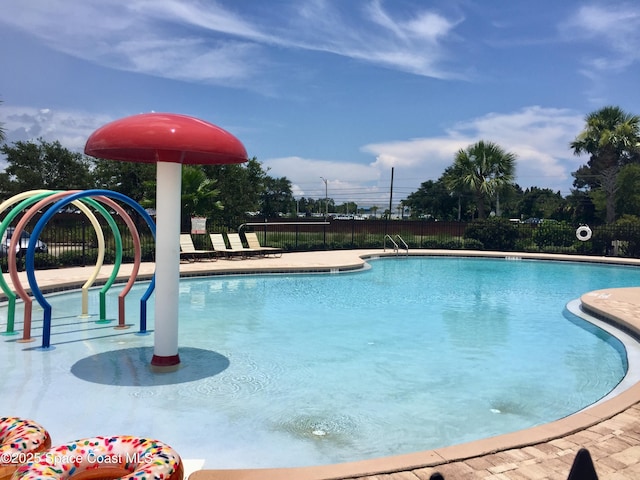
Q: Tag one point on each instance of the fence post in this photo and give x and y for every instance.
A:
(353, 233)
(324, 235)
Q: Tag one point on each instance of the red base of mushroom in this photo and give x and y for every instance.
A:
(160, 361)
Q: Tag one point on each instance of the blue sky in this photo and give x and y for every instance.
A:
(340, 89)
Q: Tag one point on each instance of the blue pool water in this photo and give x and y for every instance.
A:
(288, 370)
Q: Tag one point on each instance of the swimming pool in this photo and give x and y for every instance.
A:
(439, 350)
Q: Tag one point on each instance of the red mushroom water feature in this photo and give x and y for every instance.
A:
(169, 140)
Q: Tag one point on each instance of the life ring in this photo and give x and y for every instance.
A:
(122, 457)
(583, 233)
(20, 441)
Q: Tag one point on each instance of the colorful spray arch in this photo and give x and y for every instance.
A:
(24, 200)
(39, 199)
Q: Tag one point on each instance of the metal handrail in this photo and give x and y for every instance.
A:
(384, 244)
(266, 224)
(406, 247)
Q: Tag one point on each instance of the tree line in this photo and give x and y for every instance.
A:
(221, 192)
(479, 182)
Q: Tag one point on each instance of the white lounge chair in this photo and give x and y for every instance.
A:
(220, 246)
(236, 244)
(254, 243)
(189, 252)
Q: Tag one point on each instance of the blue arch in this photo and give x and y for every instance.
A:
(31, 251)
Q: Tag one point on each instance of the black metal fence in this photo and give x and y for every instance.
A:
(506, 236)
(72, 240)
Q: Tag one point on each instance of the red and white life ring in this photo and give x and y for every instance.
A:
(583, 233)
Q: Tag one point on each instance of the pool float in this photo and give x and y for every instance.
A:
(20, 441)
(114, 457)
(583, 233)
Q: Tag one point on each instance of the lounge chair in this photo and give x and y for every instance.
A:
(254, 243)
(189, 252)
(220, 246)
(236, 244)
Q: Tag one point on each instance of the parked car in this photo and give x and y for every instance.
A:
(23, 244)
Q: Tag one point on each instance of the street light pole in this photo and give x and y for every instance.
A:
(326, 212)
(326, 198)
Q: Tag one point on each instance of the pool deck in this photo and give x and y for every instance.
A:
(609, 430)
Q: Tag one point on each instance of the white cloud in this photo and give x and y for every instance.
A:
(343, 178)
(539, 137)
(614, 28)
(212, 16)
(609, 37)
(208, 43)
(191, 60)
(168, 38)
(70, 128)
(413, 44)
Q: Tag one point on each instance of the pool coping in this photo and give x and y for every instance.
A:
(618, 306)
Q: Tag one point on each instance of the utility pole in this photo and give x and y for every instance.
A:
(391, 194)
(326, 198)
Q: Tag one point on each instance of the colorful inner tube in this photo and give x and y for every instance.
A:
(96, 458)
(21, 441)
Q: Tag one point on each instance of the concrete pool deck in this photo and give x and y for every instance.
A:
(609, 430)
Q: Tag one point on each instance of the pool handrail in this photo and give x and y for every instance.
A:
(384, 243)
(403, 243)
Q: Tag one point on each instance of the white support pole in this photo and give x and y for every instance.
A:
(168, 193)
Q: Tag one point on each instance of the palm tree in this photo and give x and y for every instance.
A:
(611, 137)
(3, 136)
(198, 193)
(482, 168)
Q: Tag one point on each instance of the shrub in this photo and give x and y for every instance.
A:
(44, 261)
(627, 229)
(526, 245)
(559, 249)
(554, 235)
(148, 253)
(127, 255)
(599, 244)
(494, 233)
(472, 244)
(75, 258)
(445, 243)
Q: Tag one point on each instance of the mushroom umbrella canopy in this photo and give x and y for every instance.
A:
(169, 140)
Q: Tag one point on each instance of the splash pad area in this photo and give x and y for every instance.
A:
(167, 140)
(218, 385)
